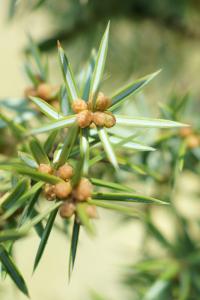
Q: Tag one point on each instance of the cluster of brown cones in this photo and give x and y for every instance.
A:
(64, 191)
(87, 115)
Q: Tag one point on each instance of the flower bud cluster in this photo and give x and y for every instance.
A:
(87, 116)
(64, 191)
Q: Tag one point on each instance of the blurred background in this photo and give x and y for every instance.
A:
(145, 36)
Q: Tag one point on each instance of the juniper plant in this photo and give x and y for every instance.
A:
(173, 272)
(58, 166)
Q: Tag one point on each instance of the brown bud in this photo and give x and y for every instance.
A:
(79, 105)
(110, 120)
(83, 190)
(44, 91)
(98, 118)
(49, 192)
(65, 172)
(193, 141)
(92, 211)
(67, 209)
(185, 131)
(102, 102)
(44, 168)
(84, 118)
(63, 190)
(30, 91)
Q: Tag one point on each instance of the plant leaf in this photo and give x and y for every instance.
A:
(45, 237)
(111, 185)
(17, 129)
(147, 122)
(17, 192)
(47, 109)
(48, 145)
(38, 152)
(126, 143)
(116, 207)
(70, 84)
(100, 63)
(126, 197)
(64, 102)
(68, 145)
(74, 244)
(120, 97)
(62, 123)
(10, 235)
(24, 170)
(20, 200)
(84, 150)
(37, 219)
(12, 270)
(107, 147)
(88, 76)
(28, 159)
(29, 209)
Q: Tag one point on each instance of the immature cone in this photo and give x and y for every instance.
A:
(193, 141)
(84, 118)
(98, 118)
(91, 211)
(46, 169)
(102, 102)
(63, 190)
(83, 191)
(185, 131)
(65, 172)
(79, 105)
(67, 209)
(49, 192)
(110, 120)
(44, 91)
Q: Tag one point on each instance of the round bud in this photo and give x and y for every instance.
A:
(49, 192)
(185, 131)
(110, 120)
(30, 91)
(79, 105)
(44, 168)
(63, 190)
(67, 209)
(102, 102)
(44, 91)
(84, 118)
(98, 118)
(83, 190)
(65, 172)
(92, 211)
(193, 141)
